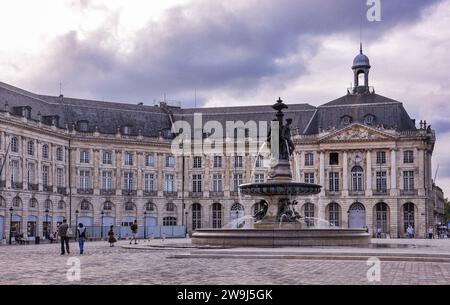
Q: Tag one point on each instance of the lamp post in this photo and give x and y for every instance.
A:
(145, 224)
(47, 235)
(186, 222)
(237, 219)
(10, 223)
(76, 221)
(101, 233)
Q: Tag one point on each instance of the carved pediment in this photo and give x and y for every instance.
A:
(357, 132)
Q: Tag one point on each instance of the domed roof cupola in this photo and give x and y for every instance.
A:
(361, 65)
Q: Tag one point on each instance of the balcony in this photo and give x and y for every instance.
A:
(61, 190)
(195, 194)
(380, 192)
(216, 194)
(357, 193)
(234, 193)
(2, 183)
(48, 188)
(107, 192)
(170, 194)
(17, 185)
(409, 192)
(128, 192)
(33, 187)
(150, 193)
(84, 191)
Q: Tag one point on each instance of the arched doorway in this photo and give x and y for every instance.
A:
(16, 225)
(125, 229)
(32, 226)
(334, 214)
(236, 212)
(196, 216)
(356, 216)
(381, 221)
(408, 215)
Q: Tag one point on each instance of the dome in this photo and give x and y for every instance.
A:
(361, 60)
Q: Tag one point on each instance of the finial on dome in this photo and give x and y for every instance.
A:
(360, 48)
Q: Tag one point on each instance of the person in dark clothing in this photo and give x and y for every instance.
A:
(62, 232)
(111, 238)
(134, 228)
(81, 232)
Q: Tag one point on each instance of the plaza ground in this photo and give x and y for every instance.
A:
(165, 262)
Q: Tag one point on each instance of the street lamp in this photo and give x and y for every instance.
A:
(186, 213)
(101, 233)
(76, 221)
(237, 219)
(47, 235)
(10, 223)
(145, 224)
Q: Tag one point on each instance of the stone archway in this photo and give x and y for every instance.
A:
(356, 216)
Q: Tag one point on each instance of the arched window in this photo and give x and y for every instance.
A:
(48, 204)
(17, 202)
(334, 214)
(308, 212)
(357, 179)
(170, 207)
(129, 206)
(108, 206)
(381, 217)
(45, 151)
(346, 120)
(369, 119)
(169, 221)
(33, 203)
(196, 216)
(59, 154)
(150, 206)
(217, 215)
(30, 148)
(61, 205)
(408, 215)
(85, 205)
(14, 144)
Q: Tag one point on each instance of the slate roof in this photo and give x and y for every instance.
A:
(151, 120)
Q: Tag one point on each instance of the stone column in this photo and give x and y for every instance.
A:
(322, 172)
(394, 191)
(96, 174)
(344, 173)
(421, 181)
(139, 165)
(369, 173)
(39, 165)
(118, 172)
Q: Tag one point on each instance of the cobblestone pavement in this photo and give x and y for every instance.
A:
(42, 264)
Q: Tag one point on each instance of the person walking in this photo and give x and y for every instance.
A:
(111, 238)
(134, 228)
(62, 232)
(81, 233)
(378, 232)
(430, 232)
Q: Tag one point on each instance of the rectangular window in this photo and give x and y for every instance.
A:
(196, 183)
(107, 157)
(334, 159)
(259, 161)
(237, 180)
(197, 162)
(107, 180)
(128, 158)
(217, 161)
(408, 156)
(31, 173)
(381, 181)
(259, 178)
(217, 183)
(84, 156)
(408, 180)
(237, 161)
(150, 160)
(85, 182)
(45, 175)
(128, 181)
(15, 171)
(334, 181)
(60, 177)
(381, 157)
(170, 161)
(169, 183)
(149, 182)
(309, 159)
(309, 177)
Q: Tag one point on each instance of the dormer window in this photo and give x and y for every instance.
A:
(82, 126)
(369, 119)
(346, 120)
(126, 130)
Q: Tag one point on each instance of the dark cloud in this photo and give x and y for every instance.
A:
(208, 46)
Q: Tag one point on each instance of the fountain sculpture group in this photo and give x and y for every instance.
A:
(278, 223)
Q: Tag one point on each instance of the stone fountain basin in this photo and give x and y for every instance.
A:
(279, 237)
(279, 188)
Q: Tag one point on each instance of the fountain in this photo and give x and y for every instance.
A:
(278, 223)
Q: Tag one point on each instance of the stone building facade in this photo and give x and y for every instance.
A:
(110, 163)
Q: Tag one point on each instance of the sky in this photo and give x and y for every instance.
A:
(216, 53)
